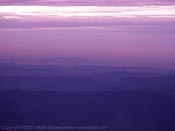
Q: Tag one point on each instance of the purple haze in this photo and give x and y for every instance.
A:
(142, 36)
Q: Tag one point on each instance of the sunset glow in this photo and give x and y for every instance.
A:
(86, 11)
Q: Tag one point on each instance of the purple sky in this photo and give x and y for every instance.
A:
(88, 2)
(122, 32)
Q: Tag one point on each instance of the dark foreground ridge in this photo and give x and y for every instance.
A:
(112, 111)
